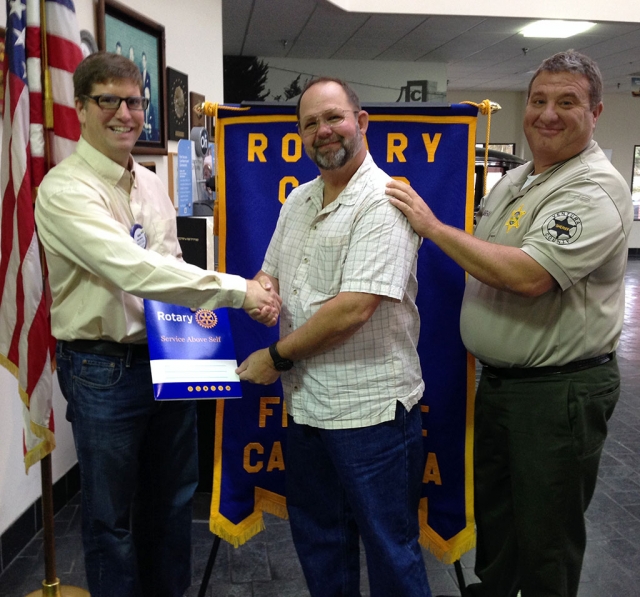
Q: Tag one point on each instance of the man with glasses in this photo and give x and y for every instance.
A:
(345, 265)
(109, 233)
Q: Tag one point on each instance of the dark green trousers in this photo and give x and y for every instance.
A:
(536, 453)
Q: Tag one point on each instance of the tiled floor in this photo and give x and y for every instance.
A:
(267, 565)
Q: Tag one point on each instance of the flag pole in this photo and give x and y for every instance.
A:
(51, 586)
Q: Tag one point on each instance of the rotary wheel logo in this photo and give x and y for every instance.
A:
(206, 318)
(562, 228)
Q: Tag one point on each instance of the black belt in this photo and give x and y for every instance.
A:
(525, 372)
(109, 349)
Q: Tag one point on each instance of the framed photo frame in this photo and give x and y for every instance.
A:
(195, 99)
(124, 31)
(635, 182)
(177, 104)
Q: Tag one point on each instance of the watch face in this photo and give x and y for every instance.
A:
(283, 365)
(279, 363)
(177, 101)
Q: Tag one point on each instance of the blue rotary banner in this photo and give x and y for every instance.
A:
(260, 160)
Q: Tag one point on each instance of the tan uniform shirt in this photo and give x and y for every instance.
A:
(574, 219)
(85, 211)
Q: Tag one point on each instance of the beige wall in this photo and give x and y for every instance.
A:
(372, 80)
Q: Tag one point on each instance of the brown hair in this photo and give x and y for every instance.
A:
(104, 67)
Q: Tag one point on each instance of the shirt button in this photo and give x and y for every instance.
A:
(305, 260)
(295, 292)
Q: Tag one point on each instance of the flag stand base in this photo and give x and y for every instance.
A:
(55, 589)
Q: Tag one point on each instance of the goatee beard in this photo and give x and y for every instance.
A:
(333, 160)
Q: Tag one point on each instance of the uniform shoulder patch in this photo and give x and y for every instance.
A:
(562, 228)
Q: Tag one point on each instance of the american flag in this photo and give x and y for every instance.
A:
(25, 332)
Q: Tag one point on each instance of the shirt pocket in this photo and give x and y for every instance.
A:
(325, 273)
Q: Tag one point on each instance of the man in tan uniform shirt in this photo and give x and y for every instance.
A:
(542, 311)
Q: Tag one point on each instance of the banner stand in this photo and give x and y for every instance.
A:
(461, 584)
(204, 585)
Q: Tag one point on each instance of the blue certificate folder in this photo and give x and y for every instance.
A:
(192, 353)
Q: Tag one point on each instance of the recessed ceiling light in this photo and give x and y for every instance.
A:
(550, 28)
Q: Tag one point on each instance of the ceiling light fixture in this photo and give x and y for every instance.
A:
(558, 29)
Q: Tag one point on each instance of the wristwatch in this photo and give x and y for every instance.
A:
(280, 363)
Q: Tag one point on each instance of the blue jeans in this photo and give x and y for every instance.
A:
(351, 483)
(138, 470)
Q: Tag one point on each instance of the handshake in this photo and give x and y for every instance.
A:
(262, 301)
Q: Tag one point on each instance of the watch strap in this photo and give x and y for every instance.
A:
(279, 362)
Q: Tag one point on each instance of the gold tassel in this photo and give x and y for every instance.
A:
(486, 108)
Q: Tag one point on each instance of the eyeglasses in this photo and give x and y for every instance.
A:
(112, 102)
(331, 118)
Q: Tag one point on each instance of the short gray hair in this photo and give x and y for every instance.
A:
(574, 62)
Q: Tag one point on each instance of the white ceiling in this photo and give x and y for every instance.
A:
(480, 52)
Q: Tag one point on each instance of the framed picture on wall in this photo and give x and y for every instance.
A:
(635, 182)
(124, 31)
(177, 104)
(196, 99)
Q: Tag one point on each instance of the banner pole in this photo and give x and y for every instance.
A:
(210, 562)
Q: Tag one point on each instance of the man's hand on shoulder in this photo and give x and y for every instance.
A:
(258, 368)
(420, 216)
(262, 302)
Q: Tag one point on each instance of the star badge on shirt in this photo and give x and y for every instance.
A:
(514, 220)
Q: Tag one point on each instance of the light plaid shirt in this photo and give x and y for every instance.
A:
(358, 243)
